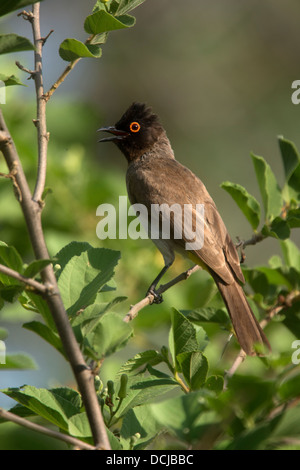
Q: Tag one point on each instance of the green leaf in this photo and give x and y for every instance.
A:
(11, 293)
(194, 367)
(100, 5)
(292, 318)
(56, 405)
(279, 229)
(291, 254)
(99, 39)
(141, 359)
(84, 274)
(215, 383)
(182, 415)
(42, 307)
(10, 80)
(288, 426)
(183, 335)
(19, 410)
(293, 218)
(254, 438)
(87, 320)
(128, 5)
(269, 189)
(101, 21)
(274, 276)
(14, 43)
(291, 163)
(143, 390)
(68, 251)
(207, 315)
(290, 156)
(46, 333)
(35, 267)
(17, 361)
(247, 203)
(6, 6)
(110, 334)
(78, 426)
(290, 387)
(10, 258)
(72, 49)
(138, 420)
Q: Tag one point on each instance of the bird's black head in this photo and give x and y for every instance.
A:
(136, 132)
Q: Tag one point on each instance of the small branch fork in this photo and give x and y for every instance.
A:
(32, 208)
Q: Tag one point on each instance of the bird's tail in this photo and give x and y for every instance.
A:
(246, 327)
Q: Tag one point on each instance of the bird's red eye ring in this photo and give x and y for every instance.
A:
(134, 126)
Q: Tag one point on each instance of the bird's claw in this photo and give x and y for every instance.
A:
(157, 298)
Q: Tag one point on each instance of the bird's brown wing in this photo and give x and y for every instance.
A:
(166, 181)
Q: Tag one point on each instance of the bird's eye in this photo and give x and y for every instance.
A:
(134, 127)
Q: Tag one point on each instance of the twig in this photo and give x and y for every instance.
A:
(44, 39)
(61, 79)
(256, 238)
(26, 15)
(40, 121)
(41, 288)
(25, 69)
(148, 300)
(43, 430)
(12, 174)
(237, 362)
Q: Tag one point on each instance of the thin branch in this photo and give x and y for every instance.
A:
(256, 238)
(148, 300)
(26, 15)
(40, 121)
(61, 79)
(43, 430)
(12, 174)
(236, 364)
(241, 245)
(44, 39)
(25, 69)
(41, 288)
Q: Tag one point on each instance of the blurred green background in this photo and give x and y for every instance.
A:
(218, 73)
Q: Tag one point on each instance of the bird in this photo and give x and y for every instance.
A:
(154, 177)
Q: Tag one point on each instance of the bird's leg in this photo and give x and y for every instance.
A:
(157, 297)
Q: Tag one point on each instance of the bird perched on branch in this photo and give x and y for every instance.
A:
(155, 179)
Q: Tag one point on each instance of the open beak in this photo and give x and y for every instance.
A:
(117, 134)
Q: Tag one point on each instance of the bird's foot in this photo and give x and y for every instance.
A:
(158, 299)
